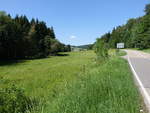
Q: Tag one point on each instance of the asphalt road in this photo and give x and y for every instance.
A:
(140, 66)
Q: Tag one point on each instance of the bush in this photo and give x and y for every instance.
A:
(120, 52)
(13, 100)
(101, 49)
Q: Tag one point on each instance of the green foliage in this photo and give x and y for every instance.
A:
(147, 9)
(39, 77)
(87, 47)
(13, 100)
(21, 38)
(55, 46)
(146, 50)
(2, 13)
(101, 48)
(141, 33)
(67, 48)
(135, 33)
(120, 52)
(75, 84)
(47, 44)
(102, 89)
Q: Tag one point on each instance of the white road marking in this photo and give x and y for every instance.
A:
(144, 92)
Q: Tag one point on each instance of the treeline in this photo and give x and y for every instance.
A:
(88, 46)
(21, 38)
(135, 33)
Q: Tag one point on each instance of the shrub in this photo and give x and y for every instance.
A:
(13, 100)
(101, 49)
(120, 52)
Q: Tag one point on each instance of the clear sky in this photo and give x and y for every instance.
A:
(77, 22)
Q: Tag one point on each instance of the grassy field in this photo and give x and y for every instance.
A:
(40, 77)
(76, 84)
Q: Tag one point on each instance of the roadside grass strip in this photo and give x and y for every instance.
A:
(107, 88)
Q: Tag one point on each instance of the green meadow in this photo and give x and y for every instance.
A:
(39, 77)
(75, 83)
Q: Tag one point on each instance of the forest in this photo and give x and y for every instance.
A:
(135, 33)
(23, 38)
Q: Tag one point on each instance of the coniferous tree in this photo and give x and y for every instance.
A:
(147, 9)
(21, 38)
(135, 34)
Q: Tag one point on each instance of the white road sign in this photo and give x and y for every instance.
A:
(120, 45)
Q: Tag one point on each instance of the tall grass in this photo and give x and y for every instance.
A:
(120, 52)
(41, 77)
(106, 88)
(75, 84)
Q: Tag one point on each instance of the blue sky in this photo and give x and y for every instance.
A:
(77, 22)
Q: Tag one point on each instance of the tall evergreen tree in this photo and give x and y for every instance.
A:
(21, 38)
(147, 9)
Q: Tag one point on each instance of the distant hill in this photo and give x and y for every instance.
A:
(82, 47)
(87, 46)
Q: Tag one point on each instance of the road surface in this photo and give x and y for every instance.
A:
(140, 66)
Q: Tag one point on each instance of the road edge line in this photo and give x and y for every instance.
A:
(142, 89)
